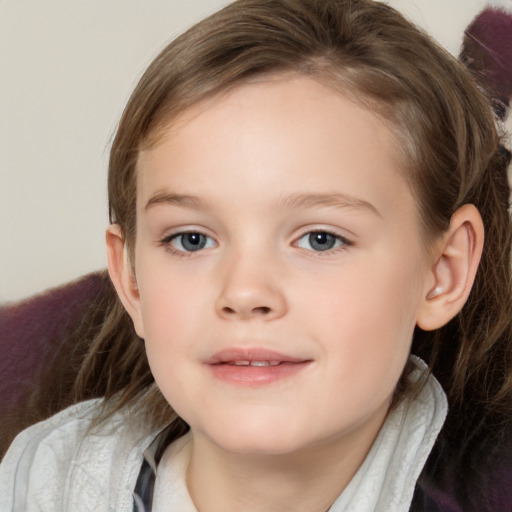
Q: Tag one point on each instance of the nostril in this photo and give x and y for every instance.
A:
(263, 310)
(246, 312)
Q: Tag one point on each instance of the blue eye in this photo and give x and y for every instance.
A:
(191, 242)
(321, 241)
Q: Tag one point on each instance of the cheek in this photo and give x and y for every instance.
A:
(364, 317)
(171, 329)
(169, 298)
(167, 318)
(170, 317)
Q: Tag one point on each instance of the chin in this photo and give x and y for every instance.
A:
(257, 440)
(265, 446)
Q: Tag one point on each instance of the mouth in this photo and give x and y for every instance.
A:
(254, 367)
(253, 363)
(252, 357)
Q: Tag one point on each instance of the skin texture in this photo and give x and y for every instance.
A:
(255, 171)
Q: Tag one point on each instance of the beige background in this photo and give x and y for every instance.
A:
(66, 70)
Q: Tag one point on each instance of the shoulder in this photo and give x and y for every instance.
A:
(63, 464)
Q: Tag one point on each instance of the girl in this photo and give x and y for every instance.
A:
(299, 191)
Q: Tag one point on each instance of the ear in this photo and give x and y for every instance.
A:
(455, 264)
(123, 276)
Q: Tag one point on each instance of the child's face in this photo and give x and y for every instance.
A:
(302, 248)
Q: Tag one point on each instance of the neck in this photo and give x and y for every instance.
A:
(309, 480)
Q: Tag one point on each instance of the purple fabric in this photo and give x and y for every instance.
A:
(32, 331)
(468, 471)
(488, 50)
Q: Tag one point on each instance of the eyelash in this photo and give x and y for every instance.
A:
(167, 243)
(343, 243)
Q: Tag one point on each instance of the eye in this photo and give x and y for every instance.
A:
(190, 242)
(321, 241)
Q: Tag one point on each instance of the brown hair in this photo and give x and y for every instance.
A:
(446, 139)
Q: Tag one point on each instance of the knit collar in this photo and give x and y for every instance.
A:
(387, 478)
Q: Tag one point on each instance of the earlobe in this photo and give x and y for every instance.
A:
(122, 276)
(454, 269)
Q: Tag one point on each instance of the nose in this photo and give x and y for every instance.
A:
(250, 290)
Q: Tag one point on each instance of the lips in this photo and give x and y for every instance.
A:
(254, 367)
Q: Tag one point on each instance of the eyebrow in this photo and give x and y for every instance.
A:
(292, 201)
(184, 200)
(335, 199)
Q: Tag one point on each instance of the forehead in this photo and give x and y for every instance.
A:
(275, 132)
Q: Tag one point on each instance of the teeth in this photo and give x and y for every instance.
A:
(254, 363)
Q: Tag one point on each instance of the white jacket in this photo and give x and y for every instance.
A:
(54, 466)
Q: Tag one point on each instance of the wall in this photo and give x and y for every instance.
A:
(67, 68)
